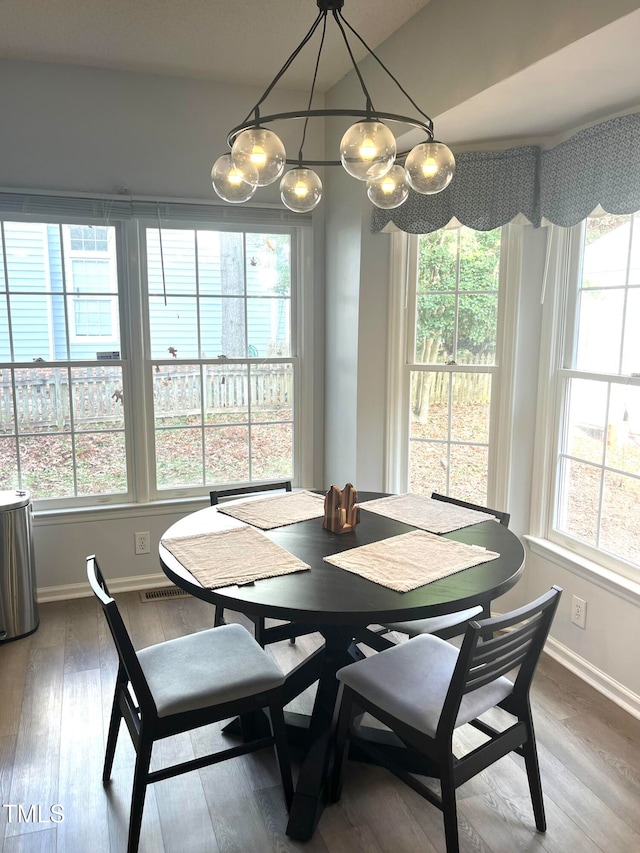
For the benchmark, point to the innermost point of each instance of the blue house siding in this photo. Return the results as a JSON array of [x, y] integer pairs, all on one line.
[[29, 299], [36, 298]]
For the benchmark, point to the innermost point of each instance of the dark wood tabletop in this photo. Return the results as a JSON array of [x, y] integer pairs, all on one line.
[[331, 595]]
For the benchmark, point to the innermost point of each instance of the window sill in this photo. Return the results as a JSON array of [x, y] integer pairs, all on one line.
[[111, 512], [606, 579]]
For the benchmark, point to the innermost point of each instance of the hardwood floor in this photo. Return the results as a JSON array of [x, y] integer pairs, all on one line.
[[55, 694]]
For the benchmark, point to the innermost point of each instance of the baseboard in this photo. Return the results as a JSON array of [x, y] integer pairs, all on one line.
[[600, 681], [83, 590]]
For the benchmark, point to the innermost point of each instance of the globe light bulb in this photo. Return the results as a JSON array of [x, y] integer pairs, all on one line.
[[389, 191], [301, 190], [367, 150], [260, 155], [230, 182], [430, 167]]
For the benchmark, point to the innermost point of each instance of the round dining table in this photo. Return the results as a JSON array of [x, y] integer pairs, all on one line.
[[340, 605]]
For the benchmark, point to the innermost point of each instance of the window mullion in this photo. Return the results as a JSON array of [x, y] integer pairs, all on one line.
[[137, 367]]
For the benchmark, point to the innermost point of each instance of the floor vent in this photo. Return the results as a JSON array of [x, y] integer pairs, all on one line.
[[165, 592]]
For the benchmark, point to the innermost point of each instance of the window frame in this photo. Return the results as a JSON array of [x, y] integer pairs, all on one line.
[[401, 331], [134, 350], [558, 346]]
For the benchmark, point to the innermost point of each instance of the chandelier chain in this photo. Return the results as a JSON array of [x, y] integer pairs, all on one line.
[[313, 87], [384, 68], [338, 19], [255, 110]]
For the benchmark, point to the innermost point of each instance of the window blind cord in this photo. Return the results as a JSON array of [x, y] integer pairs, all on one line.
[[545, 274], [164, 283]]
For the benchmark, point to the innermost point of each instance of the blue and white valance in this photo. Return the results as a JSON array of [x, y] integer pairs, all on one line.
[[563, 185]]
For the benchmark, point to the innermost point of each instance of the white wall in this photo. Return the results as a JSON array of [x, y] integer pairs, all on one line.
[[91, 130]]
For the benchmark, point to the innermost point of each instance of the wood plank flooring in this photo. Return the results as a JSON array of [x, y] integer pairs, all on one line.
[[55, 695]]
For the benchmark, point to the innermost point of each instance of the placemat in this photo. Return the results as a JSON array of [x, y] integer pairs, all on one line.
[[239, 555], [410, 560], [426, 513], [277, 511]]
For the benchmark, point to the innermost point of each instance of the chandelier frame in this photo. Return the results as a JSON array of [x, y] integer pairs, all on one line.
[[367, 115]]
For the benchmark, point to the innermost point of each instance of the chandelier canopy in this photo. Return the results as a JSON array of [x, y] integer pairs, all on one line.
[[368, 149]]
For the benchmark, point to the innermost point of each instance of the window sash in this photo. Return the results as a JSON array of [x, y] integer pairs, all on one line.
[[402, 363], [561, 317]]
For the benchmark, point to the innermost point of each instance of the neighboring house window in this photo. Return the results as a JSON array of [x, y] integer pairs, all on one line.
[[205, 386], [596, 485], [91, 274], [450, 366]]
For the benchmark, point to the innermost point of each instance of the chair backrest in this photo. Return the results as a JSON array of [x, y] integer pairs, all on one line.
[[503, 517], [493, 647], [126, 653], [248, 490]]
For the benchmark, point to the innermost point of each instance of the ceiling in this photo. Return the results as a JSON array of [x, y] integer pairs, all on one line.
[[232, 41], [593, 78], [246, 42]]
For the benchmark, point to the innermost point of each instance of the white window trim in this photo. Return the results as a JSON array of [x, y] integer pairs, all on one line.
[[404, 250], [556, 345]]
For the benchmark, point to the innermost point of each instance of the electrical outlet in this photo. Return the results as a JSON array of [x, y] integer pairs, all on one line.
[[142, 543], [578, 611]]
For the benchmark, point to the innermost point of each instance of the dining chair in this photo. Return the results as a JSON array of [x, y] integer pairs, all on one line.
[[261, 633], [426, 688], [449, 624], [182, 684]]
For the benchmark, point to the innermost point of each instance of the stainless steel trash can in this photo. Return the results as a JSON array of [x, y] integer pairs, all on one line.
[[18, 605]]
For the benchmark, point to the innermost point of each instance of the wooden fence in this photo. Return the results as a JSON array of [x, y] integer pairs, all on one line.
[[43, 400], [432, 387]]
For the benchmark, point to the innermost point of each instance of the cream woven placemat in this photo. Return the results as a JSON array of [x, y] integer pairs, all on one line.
[[277, 511], [239, 555], [426, 513], [410, 560]]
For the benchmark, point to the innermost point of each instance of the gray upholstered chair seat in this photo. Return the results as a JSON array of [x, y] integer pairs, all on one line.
[[410, 681], [207, 668], [435, 623]]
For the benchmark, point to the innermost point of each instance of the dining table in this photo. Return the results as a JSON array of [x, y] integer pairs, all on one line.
[[342, 606]]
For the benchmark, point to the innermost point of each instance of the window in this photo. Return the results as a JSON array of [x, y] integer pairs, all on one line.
[[158, 370], [221, 315], [91, 274], [597, 466], [450, 366], [62, 430]]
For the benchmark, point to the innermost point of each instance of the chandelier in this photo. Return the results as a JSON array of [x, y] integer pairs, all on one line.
[[368, 149]]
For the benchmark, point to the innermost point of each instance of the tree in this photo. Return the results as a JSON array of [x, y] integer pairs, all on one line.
[[232, 285], [463, 264]]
